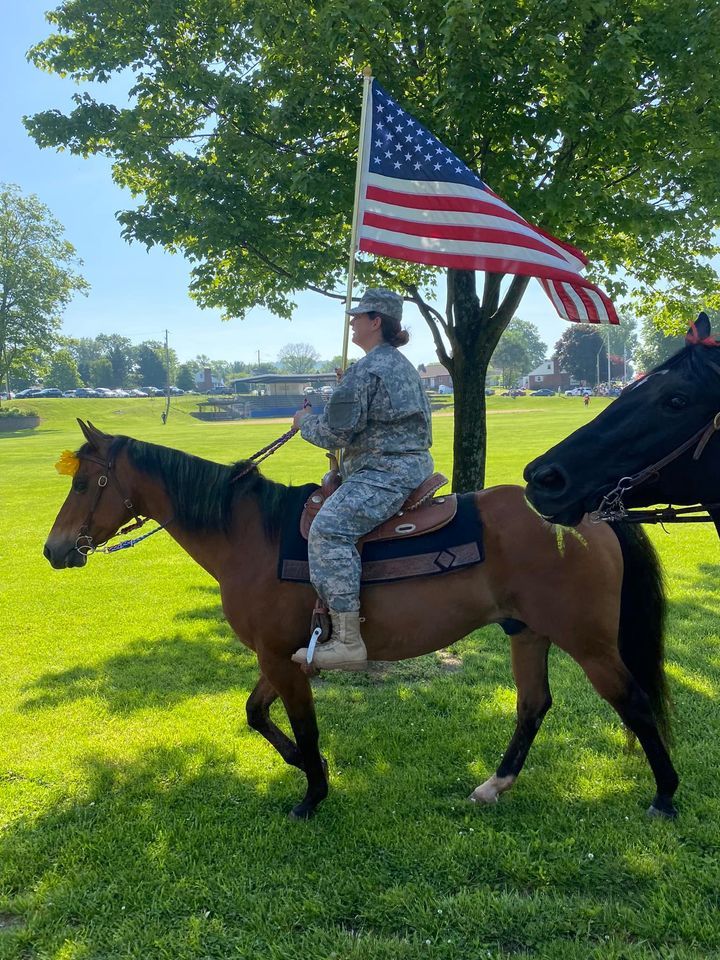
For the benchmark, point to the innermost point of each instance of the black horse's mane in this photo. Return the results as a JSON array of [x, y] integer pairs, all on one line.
[[202, 492], [693, 356]]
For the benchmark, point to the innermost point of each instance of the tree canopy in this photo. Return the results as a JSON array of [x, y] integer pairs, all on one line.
[[298, 358], [519, 351], [596, 121], [582, 353], [37, 278]]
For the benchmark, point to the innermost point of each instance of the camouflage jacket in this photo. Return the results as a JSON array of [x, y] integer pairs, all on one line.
[[377, 414]]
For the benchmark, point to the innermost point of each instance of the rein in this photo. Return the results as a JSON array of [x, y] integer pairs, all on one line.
[[612, 506], [84, 543], [263, 454], [269, 450]]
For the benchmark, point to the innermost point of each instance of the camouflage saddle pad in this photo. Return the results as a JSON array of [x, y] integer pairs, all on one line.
[[455, 546]]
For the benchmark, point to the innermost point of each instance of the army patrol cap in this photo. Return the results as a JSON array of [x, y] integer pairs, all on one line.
[[380, 300]]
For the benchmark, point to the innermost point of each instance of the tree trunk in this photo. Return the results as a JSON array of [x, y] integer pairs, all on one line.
[[474, 329]]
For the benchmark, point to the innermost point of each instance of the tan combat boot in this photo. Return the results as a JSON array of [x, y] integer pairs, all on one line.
[[345, 651]]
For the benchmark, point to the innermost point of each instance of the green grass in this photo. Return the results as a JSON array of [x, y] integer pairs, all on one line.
[[139, 817]]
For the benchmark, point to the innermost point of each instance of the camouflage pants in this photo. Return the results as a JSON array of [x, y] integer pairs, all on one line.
[[363, 501]]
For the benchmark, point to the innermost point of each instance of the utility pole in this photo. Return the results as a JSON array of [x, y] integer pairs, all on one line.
[[164, 415], [608, 354]]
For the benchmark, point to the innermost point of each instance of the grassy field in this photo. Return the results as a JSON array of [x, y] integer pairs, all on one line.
[[139, 817]]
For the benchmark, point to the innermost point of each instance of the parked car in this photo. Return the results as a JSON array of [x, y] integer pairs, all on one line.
[[575, 392], [327, 390], [49, 392], [137, 393], [489, 392], [4, 395], [29, 392], [544, 392], [86, 392]]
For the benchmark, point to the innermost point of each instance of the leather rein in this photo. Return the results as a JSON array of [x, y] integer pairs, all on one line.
[[85, 544], [612, 506]]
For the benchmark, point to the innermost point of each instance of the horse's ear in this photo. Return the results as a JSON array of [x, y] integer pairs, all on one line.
[[700, 330], [96, 438]]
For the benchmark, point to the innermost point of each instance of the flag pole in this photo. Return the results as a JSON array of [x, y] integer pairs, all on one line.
[[367, 77]]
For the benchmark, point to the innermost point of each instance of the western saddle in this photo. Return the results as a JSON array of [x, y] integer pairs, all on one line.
[[422, 512]]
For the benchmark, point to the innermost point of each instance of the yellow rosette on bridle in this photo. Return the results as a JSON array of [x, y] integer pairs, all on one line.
[[68, 464]]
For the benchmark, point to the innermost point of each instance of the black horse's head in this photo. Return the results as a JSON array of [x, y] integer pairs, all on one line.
[[650, 419]]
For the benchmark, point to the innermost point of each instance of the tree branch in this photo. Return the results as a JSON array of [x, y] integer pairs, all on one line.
[[491, 293], [428, 313], [514, 295]]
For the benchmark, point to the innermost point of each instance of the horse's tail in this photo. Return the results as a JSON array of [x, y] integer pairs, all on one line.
[[642, 620]]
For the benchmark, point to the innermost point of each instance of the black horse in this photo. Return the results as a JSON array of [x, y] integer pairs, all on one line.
[[653, 445]]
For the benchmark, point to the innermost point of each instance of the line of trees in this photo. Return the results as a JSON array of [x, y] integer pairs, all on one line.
[[111, 360]]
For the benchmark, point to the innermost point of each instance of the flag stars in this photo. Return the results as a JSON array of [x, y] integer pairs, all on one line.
[[397, 165]]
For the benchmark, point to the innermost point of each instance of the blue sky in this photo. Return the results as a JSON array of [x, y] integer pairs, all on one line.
[[139, 293]]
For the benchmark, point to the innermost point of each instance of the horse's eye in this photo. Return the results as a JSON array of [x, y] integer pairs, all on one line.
[[80, 485], [676, 402]]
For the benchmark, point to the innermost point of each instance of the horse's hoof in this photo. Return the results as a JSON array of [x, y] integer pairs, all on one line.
[[481, 796], [302, 811], [489, 792], [665, 811]]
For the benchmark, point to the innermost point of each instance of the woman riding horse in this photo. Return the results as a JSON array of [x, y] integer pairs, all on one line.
[[380, 418]]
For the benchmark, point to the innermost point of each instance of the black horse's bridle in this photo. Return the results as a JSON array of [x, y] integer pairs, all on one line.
[[612, 506], [84, 543]]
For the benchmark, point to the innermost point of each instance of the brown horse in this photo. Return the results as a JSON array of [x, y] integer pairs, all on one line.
[[600, 600]]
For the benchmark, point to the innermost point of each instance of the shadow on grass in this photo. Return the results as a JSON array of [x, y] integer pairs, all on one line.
[[155, 672], [184, 853]]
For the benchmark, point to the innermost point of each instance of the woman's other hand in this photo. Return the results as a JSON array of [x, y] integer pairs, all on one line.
[[300, 416]]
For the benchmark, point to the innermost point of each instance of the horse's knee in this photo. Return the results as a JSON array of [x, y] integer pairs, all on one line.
[[256, 713], [531, 710]]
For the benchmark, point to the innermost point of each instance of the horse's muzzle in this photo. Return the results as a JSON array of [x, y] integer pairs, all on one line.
[[62, 554]]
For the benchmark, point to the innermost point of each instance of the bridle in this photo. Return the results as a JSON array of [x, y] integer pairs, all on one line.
[[612, 506], [84, 543]]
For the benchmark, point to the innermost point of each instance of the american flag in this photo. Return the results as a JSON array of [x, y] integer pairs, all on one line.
[[420, 202]]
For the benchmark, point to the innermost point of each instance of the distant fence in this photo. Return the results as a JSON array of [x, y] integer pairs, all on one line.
[[246, 407]]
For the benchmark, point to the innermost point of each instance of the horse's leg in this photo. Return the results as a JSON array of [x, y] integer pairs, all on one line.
[[529, 664], [614, 682], [258, 717], [293, 687]]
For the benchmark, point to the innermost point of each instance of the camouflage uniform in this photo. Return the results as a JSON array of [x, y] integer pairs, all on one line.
[[379, 417]]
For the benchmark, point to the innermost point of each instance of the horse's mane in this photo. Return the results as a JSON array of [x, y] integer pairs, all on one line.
[[692, 355], [202, 492]]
